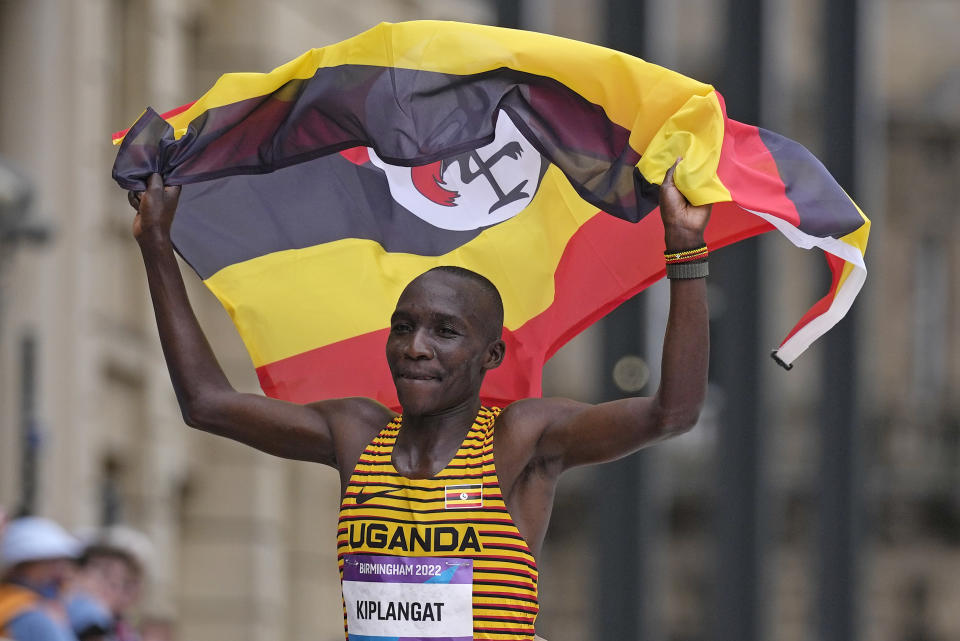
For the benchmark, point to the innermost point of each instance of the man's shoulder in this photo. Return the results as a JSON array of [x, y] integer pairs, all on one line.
[[528, 418], [36, 624], [354, 410], [352, 423], [522, 430], [534, 411]]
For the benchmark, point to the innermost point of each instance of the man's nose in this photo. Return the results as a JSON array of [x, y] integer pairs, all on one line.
[[419, 346]]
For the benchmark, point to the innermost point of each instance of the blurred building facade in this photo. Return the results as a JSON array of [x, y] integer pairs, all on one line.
[[245, 542]]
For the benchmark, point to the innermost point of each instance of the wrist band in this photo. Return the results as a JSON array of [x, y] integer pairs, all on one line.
[[686, 270], [689, 263]]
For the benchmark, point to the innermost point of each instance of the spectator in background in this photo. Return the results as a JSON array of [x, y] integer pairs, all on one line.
[[3, 525], [108, 584], [36, 560]]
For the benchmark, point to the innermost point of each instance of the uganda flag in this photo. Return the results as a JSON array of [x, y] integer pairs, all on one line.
[[463, 497], [314, 193]]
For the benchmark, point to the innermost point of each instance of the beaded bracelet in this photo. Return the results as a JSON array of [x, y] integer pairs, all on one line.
[[691, 263], [687, 256]]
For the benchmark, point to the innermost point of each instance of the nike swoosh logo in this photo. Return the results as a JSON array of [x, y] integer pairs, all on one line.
[[362, 498]]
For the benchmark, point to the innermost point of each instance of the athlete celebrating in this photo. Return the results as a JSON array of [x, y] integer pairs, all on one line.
[[444, 508]]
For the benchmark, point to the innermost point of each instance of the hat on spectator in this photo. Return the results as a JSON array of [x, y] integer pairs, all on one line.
[[34, 538]]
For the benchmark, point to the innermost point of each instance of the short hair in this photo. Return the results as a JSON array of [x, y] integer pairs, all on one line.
[[93, 553], [117, 542], [481, 280]]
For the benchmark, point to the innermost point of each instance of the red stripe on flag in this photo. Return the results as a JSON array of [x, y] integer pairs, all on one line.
[[166, 116], [836, 270], [356, 155], [358, 367], [607, 261], [749, 171]]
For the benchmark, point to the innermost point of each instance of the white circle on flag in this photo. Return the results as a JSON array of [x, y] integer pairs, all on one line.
[[463, 496], [476, 189]]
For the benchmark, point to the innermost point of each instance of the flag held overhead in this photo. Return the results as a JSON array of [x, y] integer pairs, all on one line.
[[314, 193]]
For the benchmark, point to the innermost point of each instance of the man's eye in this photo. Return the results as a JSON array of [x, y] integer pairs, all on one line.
[[446, 330], [400, 328]]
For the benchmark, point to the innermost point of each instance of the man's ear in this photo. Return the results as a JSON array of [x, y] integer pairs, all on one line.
[[496, 352]]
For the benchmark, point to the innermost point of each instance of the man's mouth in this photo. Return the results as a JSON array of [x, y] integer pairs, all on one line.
[[413, 376]]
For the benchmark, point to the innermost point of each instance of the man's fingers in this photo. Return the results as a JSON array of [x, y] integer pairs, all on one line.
[[670, 196], [133, 197], [154, 182], [668, 177]]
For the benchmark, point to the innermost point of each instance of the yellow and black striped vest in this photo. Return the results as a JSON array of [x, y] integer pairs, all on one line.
[[458, 514]]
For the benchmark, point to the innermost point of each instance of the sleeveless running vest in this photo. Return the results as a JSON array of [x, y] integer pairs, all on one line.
[[436, 558]]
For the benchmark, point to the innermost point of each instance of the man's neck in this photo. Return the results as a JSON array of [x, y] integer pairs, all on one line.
[[428, 442]]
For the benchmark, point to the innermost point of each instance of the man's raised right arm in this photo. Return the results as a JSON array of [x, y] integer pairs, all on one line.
[[207, 399]]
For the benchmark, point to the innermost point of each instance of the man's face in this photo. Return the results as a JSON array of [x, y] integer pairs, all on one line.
[[48, 576], [442, 341], [118, 581]]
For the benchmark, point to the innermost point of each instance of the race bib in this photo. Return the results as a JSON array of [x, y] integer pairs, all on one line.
[[408, 598]]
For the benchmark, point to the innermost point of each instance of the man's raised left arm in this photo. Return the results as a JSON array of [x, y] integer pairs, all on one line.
[[576, 433]]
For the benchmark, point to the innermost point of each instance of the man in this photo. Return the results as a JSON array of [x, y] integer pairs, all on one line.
[[36, 561], [427, 521], [108, 584]]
